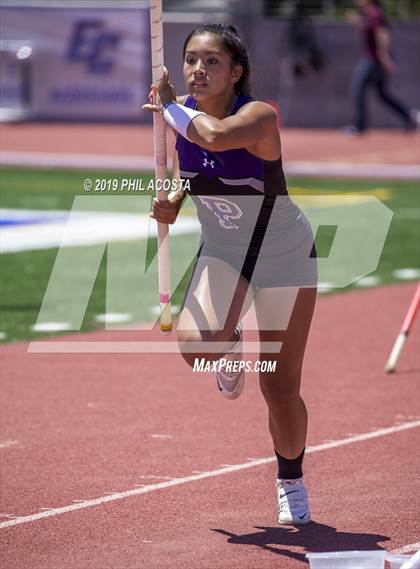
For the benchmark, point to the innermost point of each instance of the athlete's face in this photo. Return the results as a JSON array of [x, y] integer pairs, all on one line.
[[208, 69]]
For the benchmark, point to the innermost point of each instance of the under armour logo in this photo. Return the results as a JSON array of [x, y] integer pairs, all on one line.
[[208, 162]]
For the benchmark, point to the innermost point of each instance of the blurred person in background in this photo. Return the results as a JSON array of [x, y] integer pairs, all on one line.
[[376, 67], [306, 54]]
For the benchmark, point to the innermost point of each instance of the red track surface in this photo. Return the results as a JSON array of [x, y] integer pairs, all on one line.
[[84, 425], [377, 146]]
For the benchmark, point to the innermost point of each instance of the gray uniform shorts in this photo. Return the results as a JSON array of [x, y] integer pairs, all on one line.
[[286, 257]]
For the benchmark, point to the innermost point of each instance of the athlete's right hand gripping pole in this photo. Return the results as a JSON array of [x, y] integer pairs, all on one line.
[[159, 136], [402, 336]]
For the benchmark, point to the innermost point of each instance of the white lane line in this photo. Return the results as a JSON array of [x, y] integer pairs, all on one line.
[[156, 310], [353, 170], [412, 547], [371, 280], [406, 273], [156, 477], [51, 327], [113, 318], [133, 162], [208, 474], [325, 287], [55, 160], [161, 436], [84, 228], [8, 443]]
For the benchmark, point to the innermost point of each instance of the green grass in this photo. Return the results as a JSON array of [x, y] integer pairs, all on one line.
[[24, 276], [54, 189]]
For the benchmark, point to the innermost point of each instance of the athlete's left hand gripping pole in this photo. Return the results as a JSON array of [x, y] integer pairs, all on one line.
[[159, 135]]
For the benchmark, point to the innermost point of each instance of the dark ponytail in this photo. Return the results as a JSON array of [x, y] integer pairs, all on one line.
[[232, 44]]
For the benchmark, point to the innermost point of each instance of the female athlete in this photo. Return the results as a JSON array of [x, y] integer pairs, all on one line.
[[256, 245]]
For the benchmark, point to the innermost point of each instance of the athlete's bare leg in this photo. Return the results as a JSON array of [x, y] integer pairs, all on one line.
[[218, 296], [288, 417]]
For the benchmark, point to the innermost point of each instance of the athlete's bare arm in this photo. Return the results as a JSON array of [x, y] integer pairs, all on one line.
[[254, 125]]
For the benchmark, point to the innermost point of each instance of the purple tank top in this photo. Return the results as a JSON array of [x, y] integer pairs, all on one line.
[[234, 191]]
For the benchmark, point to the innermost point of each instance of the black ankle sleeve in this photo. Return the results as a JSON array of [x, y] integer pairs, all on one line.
[[289, 468]]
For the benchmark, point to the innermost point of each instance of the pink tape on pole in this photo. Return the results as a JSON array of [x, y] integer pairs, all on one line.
[[412, 311], [164, 298]]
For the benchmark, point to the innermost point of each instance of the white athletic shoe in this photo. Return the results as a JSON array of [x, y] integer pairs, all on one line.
[[231, 383], [293, 501]]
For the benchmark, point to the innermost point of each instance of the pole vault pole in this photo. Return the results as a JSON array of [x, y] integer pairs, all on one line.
[[159, 137], [402, 336]]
